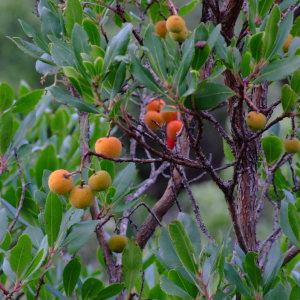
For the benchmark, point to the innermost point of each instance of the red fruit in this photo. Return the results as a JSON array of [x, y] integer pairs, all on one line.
[[155, 105], [173, 128], [170, 143]]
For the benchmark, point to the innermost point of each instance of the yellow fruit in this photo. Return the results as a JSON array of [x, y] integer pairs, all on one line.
[[175, 24], [60, 182], [256, 121], [100, 181], [292, 145], [81, 196], [117, 243], [156, 105], [110, 147], [161, 29], [153, 120], [287, 43], [179, 36]]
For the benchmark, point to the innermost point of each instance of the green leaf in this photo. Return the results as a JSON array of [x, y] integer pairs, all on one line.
[[273, 264], [287, 222], [208, 95], [234, 278], [132, 264], [51, 24], [6, 96], [6, 131], [53, 217], [62, 54], [245, 65], [187, 8], [279, 69], [295, 31], [117, 46], [252, 270], [73, 14], [119, 80], [183, 283], [183, 246], [110, 291], [38, 259], [283, 31], [184, 66], [277, 293], [271, 30], [71, 275], [170, 288], [92, 31], [29, 48], [91, 288], [155, 53], [144, 76], [83, 229], [3, 223], [264, 6], [27, 102], [20, 255], [295, 81], [295, 293], [227, 151], [80, 45], [256, 45], [62, 96], [47, 160], [273, 148], [288, 98]]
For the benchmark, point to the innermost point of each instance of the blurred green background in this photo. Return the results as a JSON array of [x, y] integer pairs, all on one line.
[[15, 65]]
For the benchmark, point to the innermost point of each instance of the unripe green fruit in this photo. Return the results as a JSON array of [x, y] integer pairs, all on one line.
[[117, 243], [179, 36], [100, 181], [256, 121], [292, 145]]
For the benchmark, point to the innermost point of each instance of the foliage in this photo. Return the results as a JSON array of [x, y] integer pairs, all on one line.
[[100, 86]]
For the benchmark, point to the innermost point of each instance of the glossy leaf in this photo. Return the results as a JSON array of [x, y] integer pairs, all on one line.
[[20, 255], [6, 96], [288, 98], [62, 96], [73, 14], [71, 275], [53, 217], [6, 131], [279, 69], [117, 46], [183, 246], [273, 148], [91, 288], [252, 270], [131, 264], [208, 95], [110, 291], [27, 102]]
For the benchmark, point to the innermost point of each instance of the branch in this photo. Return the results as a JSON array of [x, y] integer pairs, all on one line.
[[172, 7], [291, 253], [195, 205]]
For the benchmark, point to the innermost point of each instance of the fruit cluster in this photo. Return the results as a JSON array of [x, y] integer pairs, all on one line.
[[158, 114], [175, 26], [82, 196]]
